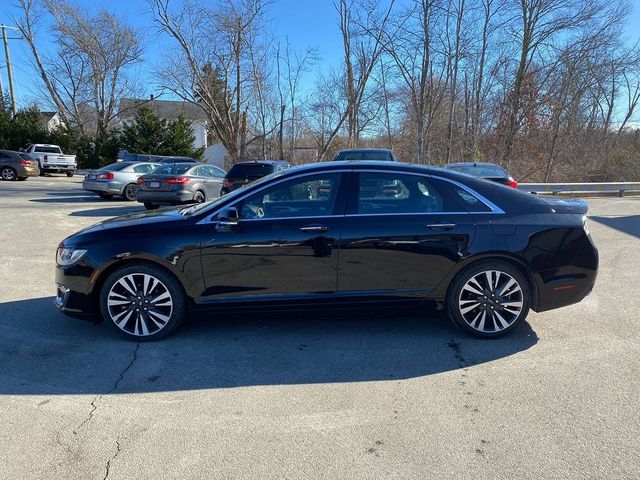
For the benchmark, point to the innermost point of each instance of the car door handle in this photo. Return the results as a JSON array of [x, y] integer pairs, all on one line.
[[441, 226], [314, 228]]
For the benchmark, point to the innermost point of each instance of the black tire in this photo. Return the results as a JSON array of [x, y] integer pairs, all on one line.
[[129, 192], [199, 197], [150, 206], [488, 309], [105, 196], [69, 174], [42, 172], [8, 173], [138, 320]]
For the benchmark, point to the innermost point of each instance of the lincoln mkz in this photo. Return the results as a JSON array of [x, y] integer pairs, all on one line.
[[335, 233]]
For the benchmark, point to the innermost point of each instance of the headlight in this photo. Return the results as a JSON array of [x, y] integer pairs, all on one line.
[[68, 256]]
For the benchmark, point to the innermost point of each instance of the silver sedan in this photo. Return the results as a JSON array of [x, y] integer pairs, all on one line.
[[117, 179]]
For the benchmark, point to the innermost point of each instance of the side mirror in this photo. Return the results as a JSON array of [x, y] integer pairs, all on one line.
[[227, 219]]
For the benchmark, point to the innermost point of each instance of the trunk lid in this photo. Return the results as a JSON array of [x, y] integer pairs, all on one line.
[[567, 205]]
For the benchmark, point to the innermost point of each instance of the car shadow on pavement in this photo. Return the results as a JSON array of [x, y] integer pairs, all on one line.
[[43, 352], [627, 224], [109, 211]]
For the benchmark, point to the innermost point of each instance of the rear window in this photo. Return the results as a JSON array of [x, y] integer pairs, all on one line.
[[252, 170], [48, 150], [363, 155], [479, 170], [115, 167], [172, 169]]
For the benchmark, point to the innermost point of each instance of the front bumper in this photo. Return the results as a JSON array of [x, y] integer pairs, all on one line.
[[114, 188], [164, 198], [74, 292]]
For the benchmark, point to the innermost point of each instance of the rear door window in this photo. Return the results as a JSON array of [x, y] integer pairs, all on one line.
[[390, 193], [250, 170]]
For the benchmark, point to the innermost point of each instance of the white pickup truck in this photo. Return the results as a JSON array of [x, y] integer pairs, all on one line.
[[51, 159]]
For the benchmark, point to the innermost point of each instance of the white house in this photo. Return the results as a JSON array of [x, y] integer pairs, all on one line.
[[169, 110], [50, 121], [216, 154]]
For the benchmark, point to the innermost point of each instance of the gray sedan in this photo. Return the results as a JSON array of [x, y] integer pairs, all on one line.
[[177, 183], [16, 166], [117, 179]]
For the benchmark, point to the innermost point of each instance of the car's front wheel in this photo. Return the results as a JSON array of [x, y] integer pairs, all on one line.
[[142, 302], [488, 299]]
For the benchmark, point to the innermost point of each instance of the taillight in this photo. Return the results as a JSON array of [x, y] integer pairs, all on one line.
[[227, 183], [46, 158], [140, 181], [177, 180], [512, 184], [105, 176], [24, 162]]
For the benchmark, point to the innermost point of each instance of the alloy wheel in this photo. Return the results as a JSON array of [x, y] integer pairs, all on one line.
[[139, 304], [130, 192], [8, 173], [491, 301]]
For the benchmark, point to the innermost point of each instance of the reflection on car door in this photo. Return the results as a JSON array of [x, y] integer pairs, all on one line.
[[401, 236], [285, 243]]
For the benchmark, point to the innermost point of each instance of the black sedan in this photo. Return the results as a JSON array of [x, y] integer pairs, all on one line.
[[362, 232]]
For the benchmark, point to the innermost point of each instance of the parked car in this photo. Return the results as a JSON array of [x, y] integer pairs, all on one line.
[[488, 254], [16, 166], [246, 172], [382, 154], [117, 179], [486, 170], [178, 183], [178, 160], [51, 159]]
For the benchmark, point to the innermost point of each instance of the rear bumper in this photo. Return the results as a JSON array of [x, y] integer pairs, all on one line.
[[103, 187], [56, 168], [25, 171], [164, 198], [571, 284]]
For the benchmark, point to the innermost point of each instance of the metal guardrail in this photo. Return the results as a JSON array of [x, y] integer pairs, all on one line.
[[555, 188]]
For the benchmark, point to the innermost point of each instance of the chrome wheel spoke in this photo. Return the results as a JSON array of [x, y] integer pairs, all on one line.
[[140, 304], [490, 301]]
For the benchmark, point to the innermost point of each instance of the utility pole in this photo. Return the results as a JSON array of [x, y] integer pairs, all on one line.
[[9, 70]]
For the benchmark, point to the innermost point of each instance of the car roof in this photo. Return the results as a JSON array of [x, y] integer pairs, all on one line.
[[473, 164], [365, 149], [263, 162]]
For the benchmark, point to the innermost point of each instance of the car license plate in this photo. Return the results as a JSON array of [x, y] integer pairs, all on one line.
[[154, 184]]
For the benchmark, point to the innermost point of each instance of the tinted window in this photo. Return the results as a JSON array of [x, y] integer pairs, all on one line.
[[364, 155], [172, 169], [115, 167], [250, 170], [479, 170], [309, 197], [471, 202], [48, 150], [4, 155], [389, 193]]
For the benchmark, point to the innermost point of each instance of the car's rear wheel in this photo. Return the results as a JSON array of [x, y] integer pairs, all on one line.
[[150, 206], [8, 173], [129, 192], [142, 302], [199, 197], [105, 196], [488, 299]]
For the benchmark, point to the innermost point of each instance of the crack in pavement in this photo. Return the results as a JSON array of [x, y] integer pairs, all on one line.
[[97, 398], [108, 465]]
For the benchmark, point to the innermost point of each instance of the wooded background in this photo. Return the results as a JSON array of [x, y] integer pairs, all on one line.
[[547, 88]]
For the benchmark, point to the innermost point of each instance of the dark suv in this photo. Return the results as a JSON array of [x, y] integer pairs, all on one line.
[[382, 154], [246, 172]]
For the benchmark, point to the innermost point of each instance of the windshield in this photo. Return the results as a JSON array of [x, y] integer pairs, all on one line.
[[229, 197], [479, 170], [115, 167], [172, 169], [250, 170], [364, 155]]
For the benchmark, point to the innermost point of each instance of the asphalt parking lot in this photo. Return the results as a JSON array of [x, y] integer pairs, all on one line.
[[314, 396]]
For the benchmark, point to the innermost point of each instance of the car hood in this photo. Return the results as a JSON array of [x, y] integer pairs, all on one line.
[[139, 219]]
